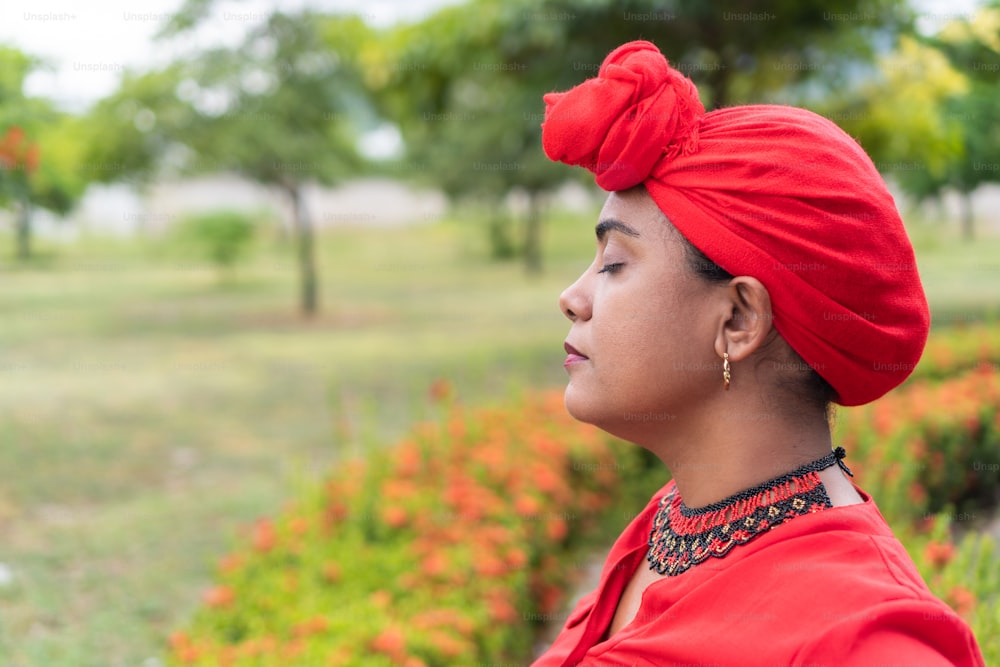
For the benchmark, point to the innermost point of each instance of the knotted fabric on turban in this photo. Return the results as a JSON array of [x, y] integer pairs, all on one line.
[[774, 192]]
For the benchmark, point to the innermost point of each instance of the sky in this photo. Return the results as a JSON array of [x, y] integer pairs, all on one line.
[[86, 45]]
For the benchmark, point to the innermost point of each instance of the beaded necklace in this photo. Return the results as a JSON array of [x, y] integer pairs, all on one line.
[[683, 537]]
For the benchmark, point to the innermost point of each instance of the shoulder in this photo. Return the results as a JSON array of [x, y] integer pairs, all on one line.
[[895, 632], [872, 604]]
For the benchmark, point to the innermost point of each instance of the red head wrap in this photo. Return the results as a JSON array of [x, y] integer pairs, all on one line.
[[774, 192]]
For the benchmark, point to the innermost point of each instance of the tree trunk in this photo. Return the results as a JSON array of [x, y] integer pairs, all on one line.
[[533, 234], [968, 218], [24, 231], [308, 285]]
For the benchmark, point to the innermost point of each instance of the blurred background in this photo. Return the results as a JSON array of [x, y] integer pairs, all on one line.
[[240, 241]]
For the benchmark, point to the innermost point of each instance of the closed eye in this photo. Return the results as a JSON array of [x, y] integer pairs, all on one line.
[[614, 267]]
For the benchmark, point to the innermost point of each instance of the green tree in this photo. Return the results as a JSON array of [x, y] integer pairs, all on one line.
[[465, 85], [40, 151], [284, 116], [928, 114], [130, 133], [973, 46], [280, 110], [900, 115]]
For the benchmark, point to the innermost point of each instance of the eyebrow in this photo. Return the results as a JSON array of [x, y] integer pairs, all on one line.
[[609, 225]]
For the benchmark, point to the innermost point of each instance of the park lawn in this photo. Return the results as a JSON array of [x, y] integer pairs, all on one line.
[[151, 410]]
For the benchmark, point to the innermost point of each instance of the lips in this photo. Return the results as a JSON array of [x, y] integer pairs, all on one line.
[[573, 355]]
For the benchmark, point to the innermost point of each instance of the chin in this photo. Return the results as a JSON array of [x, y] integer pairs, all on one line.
[[640, 428], [582, 407], [586, 409]]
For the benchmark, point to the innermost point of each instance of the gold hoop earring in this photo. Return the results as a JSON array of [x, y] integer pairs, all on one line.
[[725, 371]]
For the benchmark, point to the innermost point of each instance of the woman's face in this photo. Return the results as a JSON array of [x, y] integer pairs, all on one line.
[[641, 346]]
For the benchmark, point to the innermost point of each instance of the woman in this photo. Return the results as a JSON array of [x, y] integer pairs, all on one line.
[[751, 269]]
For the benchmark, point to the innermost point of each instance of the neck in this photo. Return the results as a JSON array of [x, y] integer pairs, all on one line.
[[712, 459]]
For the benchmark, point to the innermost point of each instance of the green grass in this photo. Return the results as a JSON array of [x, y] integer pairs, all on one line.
[[149, 410]]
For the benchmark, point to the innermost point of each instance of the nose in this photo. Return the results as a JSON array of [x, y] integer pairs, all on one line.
[[575, 301]]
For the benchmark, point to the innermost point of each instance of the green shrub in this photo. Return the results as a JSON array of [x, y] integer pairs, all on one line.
[[928, 445], [222, 238], [448, 549]]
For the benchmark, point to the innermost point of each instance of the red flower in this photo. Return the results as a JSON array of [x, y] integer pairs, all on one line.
[[395, 516], [556, 529], [12, 141], [527, 505], [501, 610], [939, 554], [230, 563], [264, 535], [381, 599], [219, 596], [390, 642], [311, 626], [489, 565], [516, 558], [299, 525], [331, 572], [549, 598], [962, 600], [440, 390], [447, 644]]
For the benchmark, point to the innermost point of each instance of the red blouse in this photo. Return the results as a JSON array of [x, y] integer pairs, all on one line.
[[832, 589]]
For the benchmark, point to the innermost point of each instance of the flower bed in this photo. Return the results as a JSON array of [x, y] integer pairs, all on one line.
[[928, 445], [446, 549], [957, 350], [442, 551]]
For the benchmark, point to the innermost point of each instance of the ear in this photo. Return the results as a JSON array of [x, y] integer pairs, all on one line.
[[749, 324]]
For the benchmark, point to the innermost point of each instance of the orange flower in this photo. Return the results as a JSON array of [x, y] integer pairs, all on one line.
[[556, 529], [293, 648], [179, 640], [395, 516], [331, 572], [334, 513], [299, 525], [264, 535], [447, 644], [440, 390], [516, 558], [962, 600], [381, 599], [489, 565], [549, 597], [408, 459], [219, 596], [13, 139], [230, 563], [939, 554], [189, 654], [501, 610], [917, 493], [340, 657], [527, 505], [547, 480], [390, 642], [434, 565]]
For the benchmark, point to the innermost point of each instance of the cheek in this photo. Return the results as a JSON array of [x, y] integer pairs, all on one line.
[[644, 332], [661, 335]]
